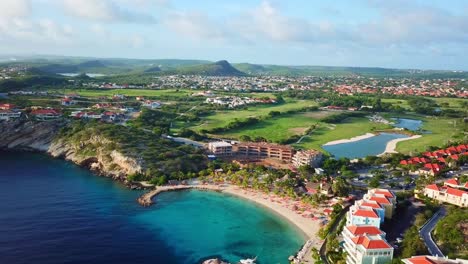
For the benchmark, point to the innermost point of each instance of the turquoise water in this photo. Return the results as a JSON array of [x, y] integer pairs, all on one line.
[[55, 212], [410, 124], [362, 148]]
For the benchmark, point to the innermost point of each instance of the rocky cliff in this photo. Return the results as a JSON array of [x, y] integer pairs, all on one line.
[[95, 152]]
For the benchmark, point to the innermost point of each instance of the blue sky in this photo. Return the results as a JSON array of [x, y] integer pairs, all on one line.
[[429, 34]]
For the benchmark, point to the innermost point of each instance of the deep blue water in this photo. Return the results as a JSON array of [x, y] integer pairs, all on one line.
[[52, 211], [362, 148], [410, 124]]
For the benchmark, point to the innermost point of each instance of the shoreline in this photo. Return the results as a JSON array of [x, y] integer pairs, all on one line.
[[308, 227], [353, 139], [392, 144]]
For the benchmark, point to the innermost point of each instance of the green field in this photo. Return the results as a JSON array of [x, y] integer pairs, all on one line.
[[128, 92], [442, 130], [351, 127], [222, 118], [276, 129]]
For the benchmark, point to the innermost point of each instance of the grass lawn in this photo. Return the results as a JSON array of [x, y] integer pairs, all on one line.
[[276, 129], [442, 129], [128, 92], [222, 118], [351, 127], [401, 102]]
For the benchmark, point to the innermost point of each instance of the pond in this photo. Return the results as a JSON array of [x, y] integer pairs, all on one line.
[[410, 124], [370, 146]]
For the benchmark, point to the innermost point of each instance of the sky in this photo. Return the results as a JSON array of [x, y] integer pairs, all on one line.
[[416, 34]]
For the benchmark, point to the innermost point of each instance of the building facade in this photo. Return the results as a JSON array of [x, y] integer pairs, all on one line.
[[220, 148], [264, 150], [446, 194], [311, 157]]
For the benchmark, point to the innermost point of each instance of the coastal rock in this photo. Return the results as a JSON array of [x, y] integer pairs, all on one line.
[[43, 137], [28, 135]]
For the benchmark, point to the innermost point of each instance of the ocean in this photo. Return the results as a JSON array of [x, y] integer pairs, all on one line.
[[52, 211]]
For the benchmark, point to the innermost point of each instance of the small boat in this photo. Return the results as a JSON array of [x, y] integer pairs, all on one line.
[[248, 261]]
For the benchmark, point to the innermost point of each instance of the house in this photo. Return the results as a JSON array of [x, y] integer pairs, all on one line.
[[8, 114], [431, 169], [433, 260], [102, 105], [310, 157], [220, 148], [319, 187], [446, 194], [7, 106], [46, 114], [151, 104], [67, 101]]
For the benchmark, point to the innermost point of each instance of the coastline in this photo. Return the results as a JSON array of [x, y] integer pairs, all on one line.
[[353, 139], [391, 145], [309, 227]]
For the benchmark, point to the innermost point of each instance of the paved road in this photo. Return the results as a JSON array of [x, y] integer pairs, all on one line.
[[426, 230], [322, 251]]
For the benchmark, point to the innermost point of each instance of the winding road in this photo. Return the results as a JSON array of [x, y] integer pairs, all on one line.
[[425, 233]]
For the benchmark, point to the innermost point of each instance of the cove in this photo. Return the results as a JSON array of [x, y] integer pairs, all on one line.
[[55, 212], [362, 148]]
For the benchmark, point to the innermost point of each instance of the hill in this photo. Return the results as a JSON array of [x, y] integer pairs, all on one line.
[[219, 68]]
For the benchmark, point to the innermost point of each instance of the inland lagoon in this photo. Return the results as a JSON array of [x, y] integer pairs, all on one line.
[[55, 212], [367, 146]]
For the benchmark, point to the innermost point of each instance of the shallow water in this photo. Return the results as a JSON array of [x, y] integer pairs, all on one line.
[[362, 148], [55, 212]]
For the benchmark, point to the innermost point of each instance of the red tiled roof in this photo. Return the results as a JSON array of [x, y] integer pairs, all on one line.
[[455, 192], [403, 162], [452, 182], [45, 112], [381, 200], [361, 230], [371, 243], [372, 205], [421, 260], [385, 192], [366, 213], [433, 187]]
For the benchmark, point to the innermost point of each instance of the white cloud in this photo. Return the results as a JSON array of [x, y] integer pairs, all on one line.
[[105, 11], [14, 8], [196, 25]]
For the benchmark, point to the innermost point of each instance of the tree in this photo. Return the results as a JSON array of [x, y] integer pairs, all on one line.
[[374, 182], [340, 187]]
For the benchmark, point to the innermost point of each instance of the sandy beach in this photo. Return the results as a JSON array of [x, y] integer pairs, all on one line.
[[305, 218], [391, 145], [340, 141]]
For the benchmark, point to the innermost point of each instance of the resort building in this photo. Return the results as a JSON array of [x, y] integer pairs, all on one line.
[[67, 101], [363, 241], [446, 194], [385, 198], [311, 157], [264, 150], [433, 260], [368, 249], [7, 114], [363, 216], [220, 148]]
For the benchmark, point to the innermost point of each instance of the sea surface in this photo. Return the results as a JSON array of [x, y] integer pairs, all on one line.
[[362, 148], [92, 75], [52, 211]]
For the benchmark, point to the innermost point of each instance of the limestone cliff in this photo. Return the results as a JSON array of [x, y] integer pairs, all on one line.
[[95, 152]]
